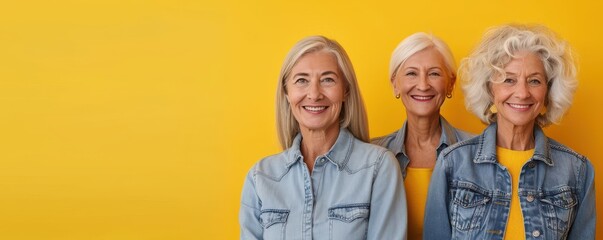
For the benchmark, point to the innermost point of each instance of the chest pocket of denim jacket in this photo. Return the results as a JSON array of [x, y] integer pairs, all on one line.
[[274, 221], [558, 210], [349, 221], [468, 208]]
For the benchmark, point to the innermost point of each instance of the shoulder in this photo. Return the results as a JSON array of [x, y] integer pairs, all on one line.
[[565, 157], [366, 154], [273, 166], [463, 135], [564, 151], [384, 141], [468, 145]]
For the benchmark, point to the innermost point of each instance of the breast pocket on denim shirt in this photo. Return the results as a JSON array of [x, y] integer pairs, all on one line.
[[468, 206], [349, 221], [274, 222], [558, 208]]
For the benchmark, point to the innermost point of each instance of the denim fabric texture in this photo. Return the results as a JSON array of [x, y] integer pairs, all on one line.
[[354, 192], [470, 192], [395, 142]]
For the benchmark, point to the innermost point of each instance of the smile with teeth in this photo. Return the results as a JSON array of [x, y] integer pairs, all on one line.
[[315, 108], [519, 106], [422, 98]]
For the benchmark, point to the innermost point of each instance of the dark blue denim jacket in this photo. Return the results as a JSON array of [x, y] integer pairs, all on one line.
[[470, 192], [395, 142]]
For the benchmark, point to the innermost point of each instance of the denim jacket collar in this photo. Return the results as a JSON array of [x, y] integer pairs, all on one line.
[[338, 154], [446, 139], [487, 146]]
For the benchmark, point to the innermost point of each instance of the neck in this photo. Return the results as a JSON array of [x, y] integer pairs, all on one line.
[[519, 138], [317, 142], [423, 130]]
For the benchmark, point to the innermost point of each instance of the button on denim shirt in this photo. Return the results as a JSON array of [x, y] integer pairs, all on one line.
[[470, 192], [395, 142], [355, 191]]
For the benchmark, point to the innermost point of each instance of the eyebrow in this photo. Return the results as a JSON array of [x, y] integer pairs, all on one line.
[[302, 74], [530, 75], [329, 72], [428, 69]]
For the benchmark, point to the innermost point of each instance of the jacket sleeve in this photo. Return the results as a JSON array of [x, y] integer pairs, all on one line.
[[584, 223], [436, 223], [249, 214], [388, 216]]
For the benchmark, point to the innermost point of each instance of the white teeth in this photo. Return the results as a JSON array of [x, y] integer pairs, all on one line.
[[522, 106], [315, 109], [422, 97]]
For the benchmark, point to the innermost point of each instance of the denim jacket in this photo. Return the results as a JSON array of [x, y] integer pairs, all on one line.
[[355, 191], [470, 192], [395, 142]]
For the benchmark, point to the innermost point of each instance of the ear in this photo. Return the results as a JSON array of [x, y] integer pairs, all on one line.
[[450, 87], [395, 86]]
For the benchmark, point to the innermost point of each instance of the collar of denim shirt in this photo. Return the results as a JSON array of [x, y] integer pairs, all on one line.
[[338, 154], [446, 139], [487, 146]]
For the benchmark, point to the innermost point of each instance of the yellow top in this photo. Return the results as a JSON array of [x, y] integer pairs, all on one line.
[[513, 161], [416, 184]]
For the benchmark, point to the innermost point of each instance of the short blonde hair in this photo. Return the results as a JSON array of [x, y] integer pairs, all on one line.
[[416, 43], [353, 113], [497, 48]]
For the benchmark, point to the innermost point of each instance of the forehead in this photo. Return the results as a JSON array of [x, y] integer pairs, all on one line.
[[316, 61], [525, 61], [429, 57]]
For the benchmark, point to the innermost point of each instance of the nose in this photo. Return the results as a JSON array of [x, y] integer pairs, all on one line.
[[522, 91], [314, 90], [423, 83]]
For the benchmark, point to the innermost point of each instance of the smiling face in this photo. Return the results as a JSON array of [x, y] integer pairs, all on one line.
[[316, 91], [422, 82], [520, 96]]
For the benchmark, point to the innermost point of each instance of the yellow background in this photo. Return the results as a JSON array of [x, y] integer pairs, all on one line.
[[140, 119]]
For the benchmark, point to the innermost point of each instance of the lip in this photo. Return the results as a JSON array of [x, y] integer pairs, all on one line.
[[315, 109], [519, 107], [422, 98]]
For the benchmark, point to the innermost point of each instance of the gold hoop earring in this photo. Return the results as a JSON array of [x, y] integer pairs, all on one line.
[[397, 96]]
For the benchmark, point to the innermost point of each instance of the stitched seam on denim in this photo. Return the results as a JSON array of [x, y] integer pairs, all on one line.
[[557, 146]]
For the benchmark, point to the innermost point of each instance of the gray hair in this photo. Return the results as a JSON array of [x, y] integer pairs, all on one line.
[[416, 43], [497, 48]]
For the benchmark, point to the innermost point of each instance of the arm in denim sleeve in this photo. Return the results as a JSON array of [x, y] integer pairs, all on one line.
[[388, 216], [584, 223], [249, 214], [436, 223]]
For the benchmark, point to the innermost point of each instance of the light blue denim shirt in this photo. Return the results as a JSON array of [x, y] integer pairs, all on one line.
[[355, 191], [470, 192], [395, 142]]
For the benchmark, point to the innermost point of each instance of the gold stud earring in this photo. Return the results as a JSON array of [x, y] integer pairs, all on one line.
[[449, 95], [397, 96], [493, 109]]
